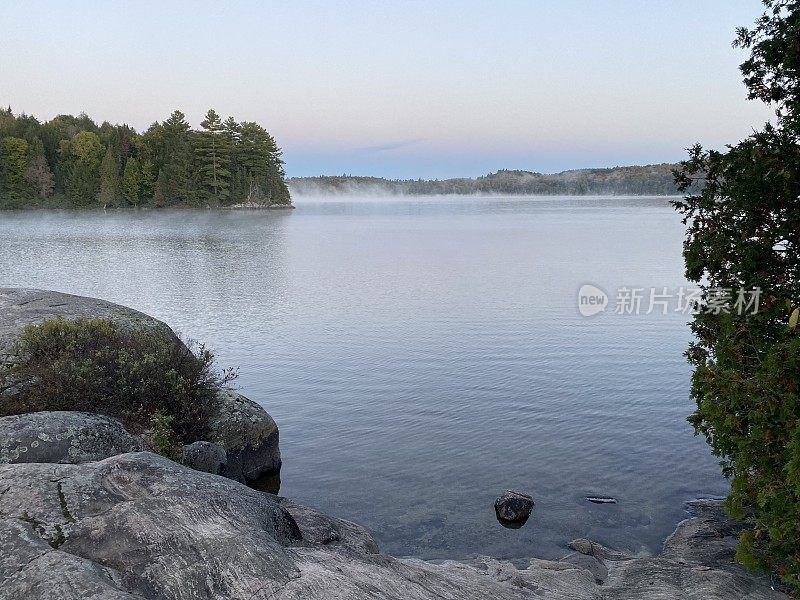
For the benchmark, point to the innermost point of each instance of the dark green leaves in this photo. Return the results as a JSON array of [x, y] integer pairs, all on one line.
[[72, 162], [742, 212], [101, 366]]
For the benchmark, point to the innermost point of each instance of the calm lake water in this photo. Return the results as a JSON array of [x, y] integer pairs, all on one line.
[[421, 356]]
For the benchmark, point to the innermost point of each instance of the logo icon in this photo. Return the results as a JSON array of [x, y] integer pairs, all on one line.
[[591, 300]]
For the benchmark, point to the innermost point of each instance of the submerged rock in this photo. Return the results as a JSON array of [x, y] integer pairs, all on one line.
[[319, 528], [513, 507], [594, 565], [601, 499], [590, 548]]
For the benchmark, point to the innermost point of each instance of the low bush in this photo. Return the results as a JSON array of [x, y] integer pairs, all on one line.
[[145, 377]]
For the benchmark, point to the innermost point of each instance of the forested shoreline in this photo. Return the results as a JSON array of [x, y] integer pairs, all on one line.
[[646, 180], [71, 162]]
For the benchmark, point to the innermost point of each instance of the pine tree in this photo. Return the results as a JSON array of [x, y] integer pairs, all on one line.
[[175, 158], [279, 192], [109, 179], [214, 155], [233, 131], [262, 166]]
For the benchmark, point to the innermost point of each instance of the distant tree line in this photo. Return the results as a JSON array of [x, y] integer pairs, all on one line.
[[72, 162], [649, 180]]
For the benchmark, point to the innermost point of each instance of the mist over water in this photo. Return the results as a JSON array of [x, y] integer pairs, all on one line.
[[421, 355]]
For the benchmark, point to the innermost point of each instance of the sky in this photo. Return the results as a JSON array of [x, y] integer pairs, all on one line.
[[403, 88]]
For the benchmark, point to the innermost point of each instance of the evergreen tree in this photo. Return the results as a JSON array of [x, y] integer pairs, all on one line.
[[13, 166], [279, 192], [161, 190], [109, 179], [262, 166], [83, 155], [40, 177], [223, 163], [131, 182], [176, 157], [743, 232], [213, 150], [148, 179], [233, 132]]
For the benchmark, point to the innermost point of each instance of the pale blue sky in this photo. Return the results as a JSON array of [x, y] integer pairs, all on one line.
[[404, 88]]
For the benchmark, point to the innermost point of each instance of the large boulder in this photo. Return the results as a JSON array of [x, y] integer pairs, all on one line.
[[249, 436], [246, 433], [20, 307], [63, 437], [140, 526]]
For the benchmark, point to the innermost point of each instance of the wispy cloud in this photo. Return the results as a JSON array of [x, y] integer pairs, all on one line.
[[388, 147]]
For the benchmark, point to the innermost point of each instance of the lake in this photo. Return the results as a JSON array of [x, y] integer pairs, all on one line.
[[423, 355]]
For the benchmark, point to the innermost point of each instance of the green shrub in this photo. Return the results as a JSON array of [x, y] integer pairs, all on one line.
[[163, 436], [143, 376]]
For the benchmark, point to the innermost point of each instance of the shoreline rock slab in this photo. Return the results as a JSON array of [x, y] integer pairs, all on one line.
[[166, 530], [141, 526]]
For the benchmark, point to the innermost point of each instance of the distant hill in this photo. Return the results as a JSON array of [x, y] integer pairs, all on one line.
[[647, 180]]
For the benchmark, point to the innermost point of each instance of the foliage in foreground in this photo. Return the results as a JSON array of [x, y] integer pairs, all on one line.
[[142, 376], [743, 231]]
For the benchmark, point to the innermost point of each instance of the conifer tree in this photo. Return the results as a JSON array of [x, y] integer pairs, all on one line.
[[40, 177], [109, 179], [743, 233], [83, 155], [170, 164], [13, 166], [148, 179], [176, 157], [131, 182], [214, 154], [160, 191]]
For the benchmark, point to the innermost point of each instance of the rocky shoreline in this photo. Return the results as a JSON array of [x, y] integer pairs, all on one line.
[[87, 511]]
